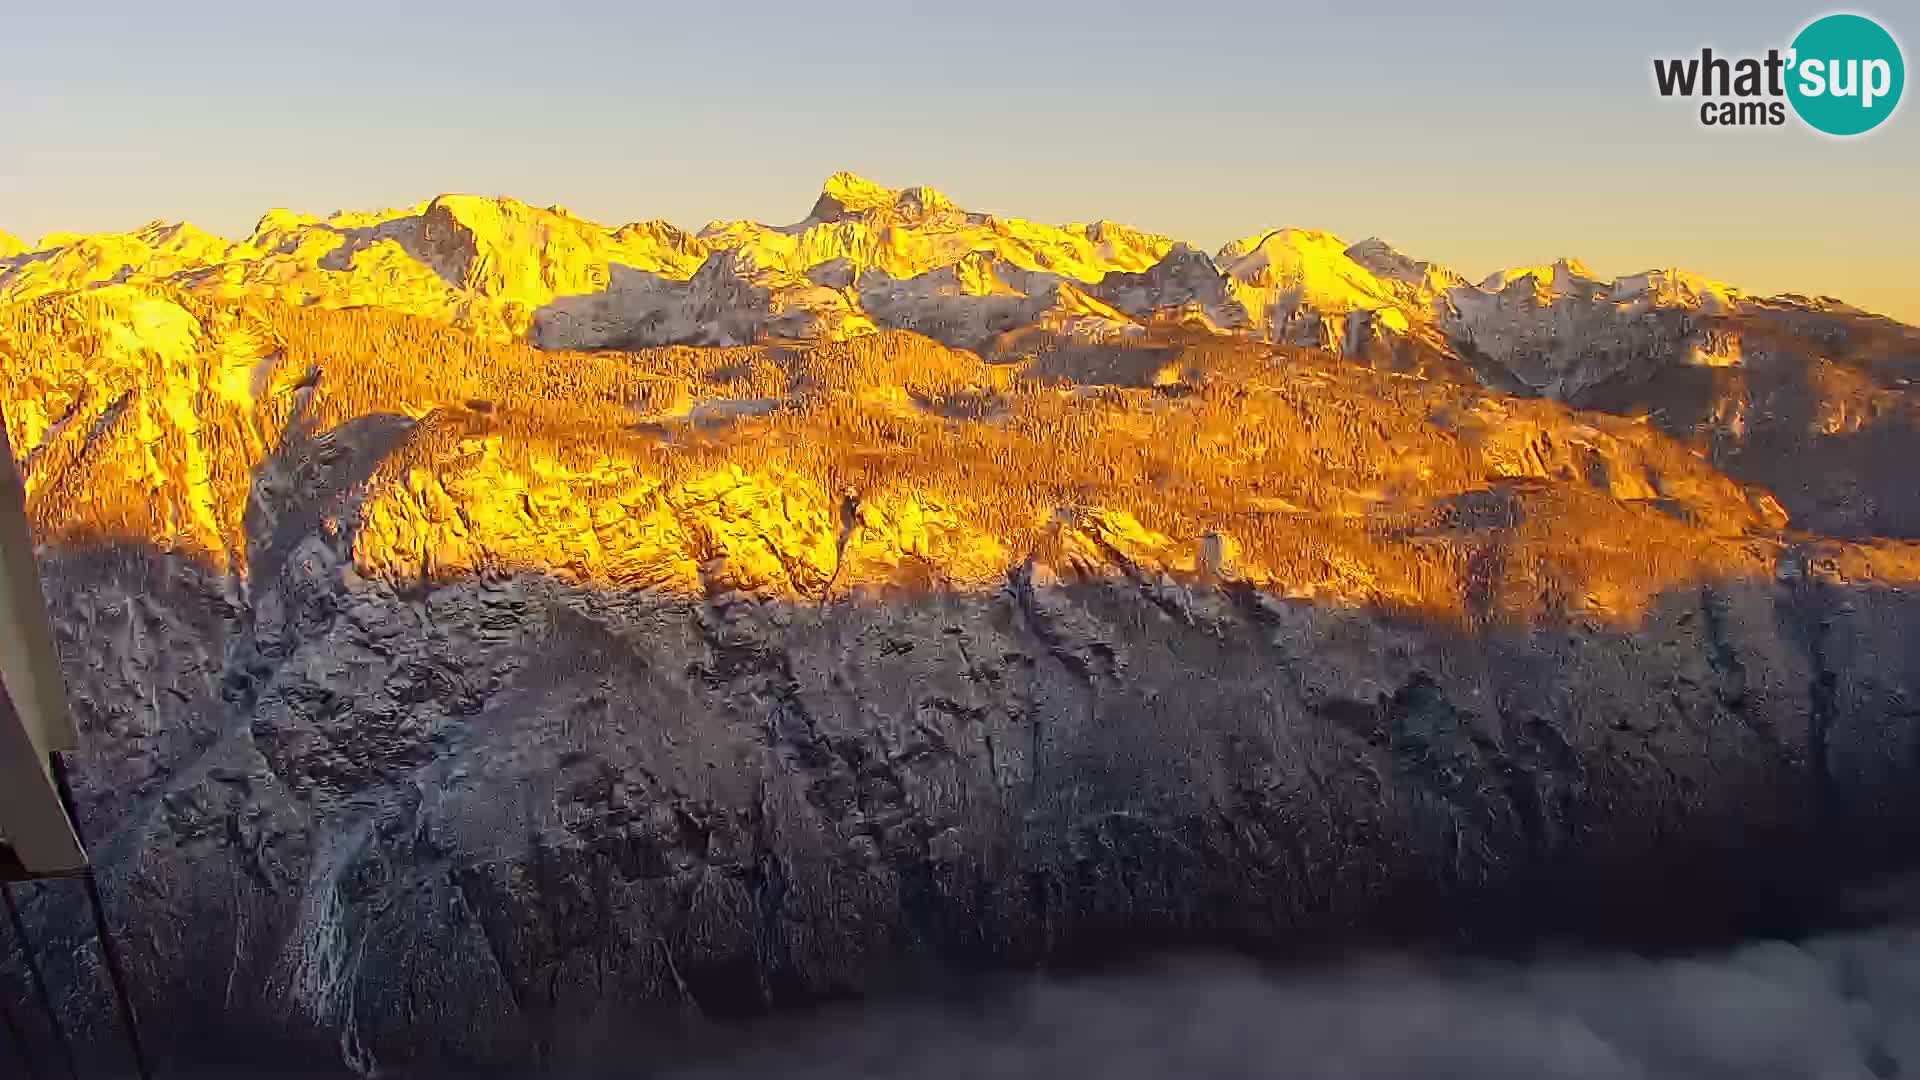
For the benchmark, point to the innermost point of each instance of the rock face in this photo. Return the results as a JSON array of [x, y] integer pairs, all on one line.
[[440, 693], [443, 820], [1819, 406]]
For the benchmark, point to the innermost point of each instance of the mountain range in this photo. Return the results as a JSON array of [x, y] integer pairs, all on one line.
[[481, 623], [868, 257]]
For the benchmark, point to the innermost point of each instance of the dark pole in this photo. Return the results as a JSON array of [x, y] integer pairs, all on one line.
[[39, 984], [108, 950]]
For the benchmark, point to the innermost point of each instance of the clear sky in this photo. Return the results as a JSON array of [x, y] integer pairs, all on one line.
[[1478, 135]]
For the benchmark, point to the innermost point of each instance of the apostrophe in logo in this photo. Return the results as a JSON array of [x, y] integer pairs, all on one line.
[[1842, 75], [1847, 74]]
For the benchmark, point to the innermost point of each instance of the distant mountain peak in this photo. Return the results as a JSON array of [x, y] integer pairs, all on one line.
[[1287, 236], [1562, 275], [847, 193], [1388, 262]]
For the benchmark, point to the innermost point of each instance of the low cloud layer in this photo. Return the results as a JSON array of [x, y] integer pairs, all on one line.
[[1835, 1008]]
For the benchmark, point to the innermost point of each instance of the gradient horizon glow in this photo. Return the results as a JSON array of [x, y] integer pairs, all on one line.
[[1498, 136]]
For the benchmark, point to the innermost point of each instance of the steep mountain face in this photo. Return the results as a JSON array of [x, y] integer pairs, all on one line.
[[908, 590], [1816, 404]]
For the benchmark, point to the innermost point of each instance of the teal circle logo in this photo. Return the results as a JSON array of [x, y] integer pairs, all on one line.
[[1846, 74]]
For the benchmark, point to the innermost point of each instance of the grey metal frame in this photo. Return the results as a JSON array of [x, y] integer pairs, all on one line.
[[39, 821]]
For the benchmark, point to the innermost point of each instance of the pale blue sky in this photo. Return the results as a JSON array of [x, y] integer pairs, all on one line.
[[1477, 135]]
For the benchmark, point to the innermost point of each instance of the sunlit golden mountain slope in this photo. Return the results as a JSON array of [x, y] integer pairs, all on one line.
[[169, 420], [1079, 302]]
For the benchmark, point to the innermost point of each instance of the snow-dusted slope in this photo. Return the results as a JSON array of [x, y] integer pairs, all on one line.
[[1559, 329], [868, 258], [1300, 286]]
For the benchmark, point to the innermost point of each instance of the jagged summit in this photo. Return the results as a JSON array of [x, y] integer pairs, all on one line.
[[1562, 275], [280, 219], [1302, 286], [1382, 259], [1386, 262], [1312, 261], [848, 194], [851, 191], [1676, 288]]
